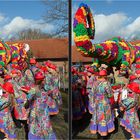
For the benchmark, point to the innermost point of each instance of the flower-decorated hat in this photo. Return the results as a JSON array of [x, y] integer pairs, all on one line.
[[116, 86], [91, 70], [137, 66], [132, 77], [39, 75], [73, 70], [8, 87], [134, 87], [7, 77], [32, 61], [103, 72], [14, 71], [137, 71], [25, 88], [50, 65], [44, 69]]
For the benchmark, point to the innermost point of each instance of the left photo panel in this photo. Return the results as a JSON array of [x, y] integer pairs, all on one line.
[[34, 70]]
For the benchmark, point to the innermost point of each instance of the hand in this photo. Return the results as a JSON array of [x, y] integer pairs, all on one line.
[[26, 105], [25, 89]]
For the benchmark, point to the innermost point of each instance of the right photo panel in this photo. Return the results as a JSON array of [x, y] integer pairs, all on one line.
[[105, 70]]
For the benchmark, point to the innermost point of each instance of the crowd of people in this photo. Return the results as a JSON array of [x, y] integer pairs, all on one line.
[[28, 96], [108, 101]]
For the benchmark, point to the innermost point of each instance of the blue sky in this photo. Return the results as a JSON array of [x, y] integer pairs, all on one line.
[[25, 9], [113, 18], [18, 15], [131, 8]]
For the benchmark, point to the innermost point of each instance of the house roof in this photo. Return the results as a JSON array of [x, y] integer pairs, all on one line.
[[77, 57], [135, 42], [56, 48], [48, 48]]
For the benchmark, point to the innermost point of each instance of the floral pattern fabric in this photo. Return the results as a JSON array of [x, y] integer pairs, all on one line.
[[54, 95], [7, 125], [20, 112], [39, 121], [130, 120], [99, 105]]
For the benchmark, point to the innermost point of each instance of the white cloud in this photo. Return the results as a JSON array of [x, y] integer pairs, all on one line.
[[2, 17], [132, 30], [18, 24], [107, 26]]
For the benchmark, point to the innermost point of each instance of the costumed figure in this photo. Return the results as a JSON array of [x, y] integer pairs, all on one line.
[[117, 89], [51, 87], [7, 125], [84, 78], [115, 52], [100, 106], [39, 120], [14, 54], [129, 105], [78, 107]]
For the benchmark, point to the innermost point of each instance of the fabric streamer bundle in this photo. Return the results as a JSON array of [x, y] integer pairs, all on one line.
[[115, 52], [15, 54]]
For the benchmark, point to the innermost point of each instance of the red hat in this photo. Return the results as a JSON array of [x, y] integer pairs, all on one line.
[[137, 66], [90, 70], [15, 66], [116, 87], [50, 65], [32, 61], [73, 70], [14, 71], [44, 69], [38, 65], [132, 77], [138, 92], [39, 75], [137, 71], [134, 87], [103, 72], [25, 88], [7, 77], [87, 66], [8, 87]]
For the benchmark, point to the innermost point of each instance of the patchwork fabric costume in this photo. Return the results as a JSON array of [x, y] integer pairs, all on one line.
[[51, 93], [100, 107], [7, 125], [130, 120], [39, 120]]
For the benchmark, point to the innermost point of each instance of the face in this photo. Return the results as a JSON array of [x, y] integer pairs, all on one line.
[[39, 82], [14, 75], [89, 74], [1, 72], [138, 75]]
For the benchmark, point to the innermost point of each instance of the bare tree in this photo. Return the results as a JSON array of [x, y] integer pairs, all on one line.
[[135, 38], [32, 34], [57, 14]]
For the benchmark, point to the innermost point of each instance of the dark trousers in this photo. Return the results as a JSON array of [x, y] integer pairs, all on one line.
[[2, 135]]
